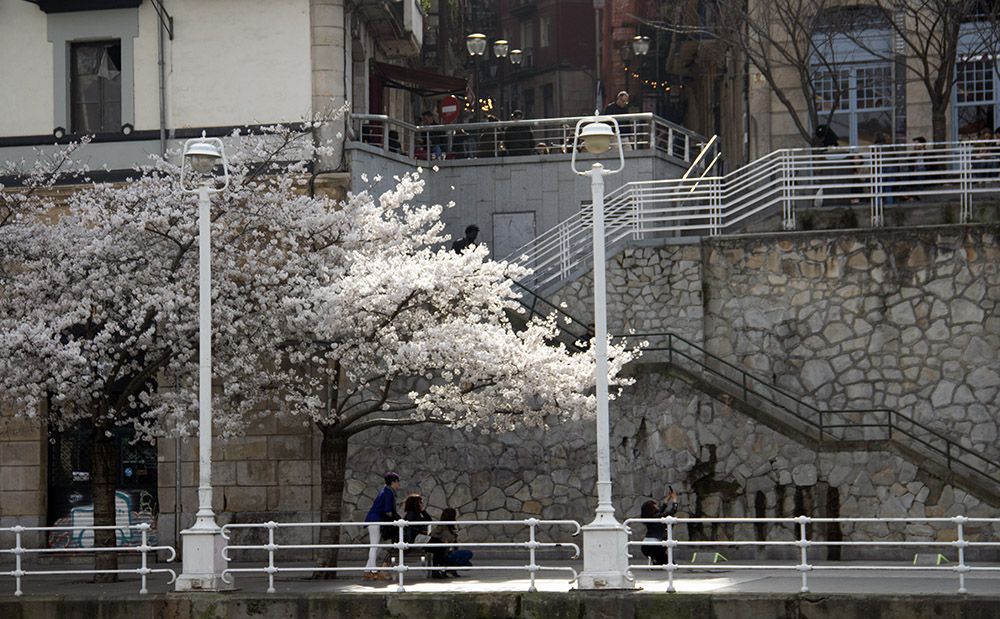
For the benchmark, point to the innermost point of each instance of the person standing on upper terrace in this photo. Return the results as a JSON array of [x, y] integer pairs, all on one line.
[[433, 143], [471, 232], [618, 106], [518, 139]]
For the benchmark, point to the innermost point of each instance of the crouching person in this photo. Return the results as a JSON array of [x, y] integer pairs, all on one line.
[[448, 556]]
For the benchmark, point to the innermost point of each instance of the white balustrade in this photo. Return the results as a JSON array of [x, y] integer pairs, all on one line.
[[21, 553], [804, 539], [274, 547]]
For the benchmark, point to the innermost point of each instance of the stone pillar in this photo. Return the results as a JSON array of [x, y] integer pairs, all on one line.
[[23, 475], [329, 41]]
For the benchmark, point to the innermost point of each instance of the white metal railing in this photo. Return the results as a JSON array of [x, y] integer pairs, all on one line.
[[782, 182], [803, 539], [400, 568], [19, 552], [546, 136]]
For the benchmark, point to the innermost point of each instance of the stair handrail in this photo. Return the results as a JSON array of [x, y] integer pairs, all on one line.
[[701, 155], [824, 429]]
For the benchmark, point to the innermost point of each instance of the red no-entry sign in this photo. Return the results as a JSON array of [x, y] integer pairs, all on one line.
[[448, 109]]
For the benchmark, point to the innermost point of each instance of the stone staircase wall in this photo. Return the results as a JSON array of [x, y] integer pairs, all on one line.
[[650, 289], [903, 319], [664, 432]]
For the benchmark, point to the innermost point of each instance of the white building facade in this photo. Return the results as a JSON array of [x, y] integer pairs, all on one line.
[[138, 74]]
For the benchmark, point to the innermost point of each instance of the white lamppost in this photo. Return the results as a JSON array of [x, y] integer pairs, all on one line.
[[605, 541], [203, 564]]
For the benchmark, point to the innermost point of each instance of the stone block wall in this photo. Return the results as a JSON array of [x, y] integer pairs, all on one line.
[[904, 319], [271, 473], [23, 464]]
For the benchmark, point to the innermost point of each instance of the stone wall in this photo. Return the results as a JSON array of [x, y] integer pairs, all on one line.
[[271, 473], [663, 433], [904, 319], [650, 289]]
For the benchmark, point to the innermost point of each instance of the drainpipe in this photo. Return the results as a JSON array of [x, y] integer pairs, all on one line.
[[178, 451], [746, 94], [162, 76]]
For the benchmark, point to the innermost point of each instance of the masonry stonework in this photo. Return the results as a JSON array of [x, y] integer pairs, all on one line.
[[848, 319], [650, 289], [907, 320]]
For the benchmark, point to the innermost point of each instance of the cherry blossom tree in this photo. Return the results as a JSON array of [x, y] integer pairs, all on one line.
[[419, 334], [349, 315], [100, 295]]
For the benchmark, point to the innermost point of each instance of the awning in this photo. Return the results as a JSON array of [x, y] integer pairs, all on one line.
[[66, 6], [423, 83]]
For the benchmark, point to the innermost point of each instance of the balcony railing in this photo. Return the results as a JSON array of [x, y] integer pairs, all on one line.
[[486, 140], [779, 183]]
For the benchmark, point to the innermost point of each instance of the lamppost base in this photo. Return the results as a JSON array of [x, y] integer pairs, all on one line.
[[605, 556], [203, 562]]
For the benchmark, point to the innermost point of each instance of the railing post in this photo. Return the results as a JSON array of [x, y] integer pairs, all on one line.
[[18, 550], [787, 179], [671, 566], [564, 250], [965, 182], [532, 568], [715, 204], [804, 567], [637, 204], [670, 348], [820, 415], [670, 141], [652, 135], [401, 568], [143, 549], [890, 424], [876, 186], [744, 376], [960, 543], [385, 136], [270, 556], [687, 148]]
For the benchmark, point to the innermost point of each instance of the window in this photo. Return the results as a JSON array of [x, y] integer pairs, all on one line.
[[527, 35], [86, 44], [975, 97], [548, 104], [96, 87], [859, 89], [529, 102], [864, 101], [544, 23]]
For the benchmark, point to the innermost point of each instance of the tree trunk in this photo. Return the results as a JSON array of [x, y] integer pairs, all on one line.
[[939, 121], [333, 470], [102, 486]]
